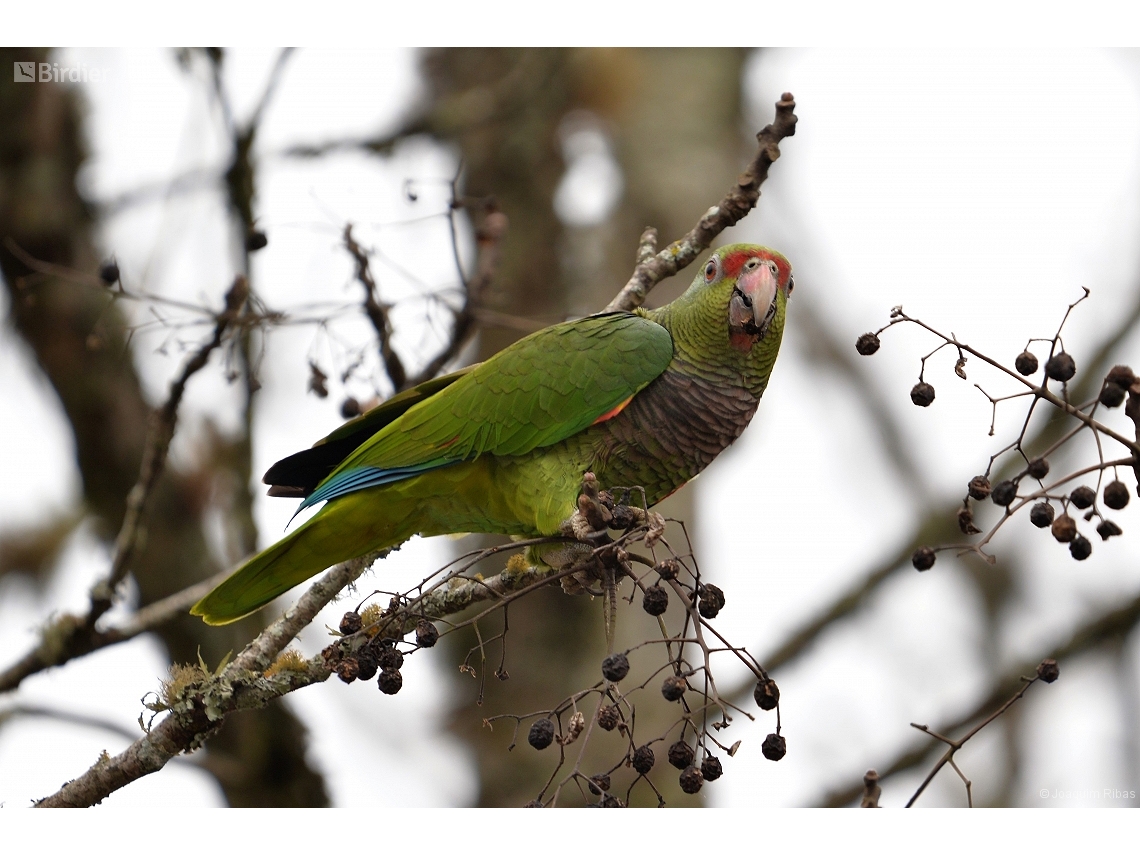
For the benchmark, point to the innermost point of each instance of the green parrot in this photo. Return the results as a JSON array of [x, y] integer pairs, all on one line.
[[645, 398]]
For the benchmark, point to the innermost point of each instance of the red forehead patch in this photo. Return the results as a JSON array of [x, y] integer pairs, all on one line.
[[735, 260]]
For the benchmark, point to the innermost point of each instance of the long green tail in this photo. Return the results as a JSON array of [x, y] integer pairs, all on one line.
[[340, 531]]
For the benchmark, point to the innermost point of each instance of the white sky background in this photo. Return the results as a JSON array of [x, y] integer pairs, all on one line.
[[979, 189]]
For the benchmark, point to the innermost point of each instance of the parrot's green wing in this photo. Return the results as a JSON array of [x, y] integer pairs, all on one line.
[[535, 393]]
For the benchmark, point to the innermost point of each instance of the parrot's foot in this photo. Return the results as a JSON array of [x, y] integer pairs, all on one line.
[[579, 527], [597, 513]]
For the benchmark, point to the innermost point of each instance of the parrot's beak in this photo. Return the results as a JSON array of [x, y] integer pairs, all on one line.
[[752, 307]]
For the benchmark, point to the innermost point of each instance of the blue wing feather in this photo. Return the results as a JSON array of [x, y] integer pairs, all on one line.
[[351, 480]]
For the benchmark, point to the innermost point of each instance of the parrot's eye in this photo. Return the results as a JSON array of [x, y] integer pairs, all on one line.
[[791, 284], [710, 270]]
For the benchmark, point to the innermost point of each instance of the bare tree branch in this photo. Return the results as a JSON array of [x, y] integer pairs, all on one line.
[[1107, 627], [244, 683], [67, 716], [732, 209], [187, 727], [377, 312]]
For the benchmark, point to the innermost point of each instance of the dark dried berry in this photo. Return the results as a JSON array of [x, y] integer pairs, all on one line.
[[766, 694], [867, 344], [643, 760], [390, 681], [350, 623], [1082, 497], [774, 747], [712, 601], [966, 521], [1120, 375], [691, 780], [368, 668], [541, 734], [369, 651], [711, 768], [1026, 363], [1112, 395], [1041, 514], [1116, 495], [922, 395], [923, 558], [390, 657], [426, 633], [1048, 671], [109, 272], [673, 689], [1080, 548], [256, 240], [533, 803], [348, 669], [979, 487], [615, 667], [1038, 468], [1064, 528], [667, 569], [1108, 529], [350, 408], [655, 601], [609, 801], [608, 718], [1004, 493], [624, 518], [1060, 367], [599, 784], [681, 754], [318, 381]]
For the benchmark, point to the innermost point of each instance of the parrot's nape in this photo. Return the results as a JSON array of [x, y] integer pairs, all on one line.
[[645, 398]]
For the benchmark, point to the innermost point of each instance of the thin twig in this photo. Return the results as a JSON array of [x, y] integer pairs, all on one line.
[[489, 240], [956, 744], [376, 311]]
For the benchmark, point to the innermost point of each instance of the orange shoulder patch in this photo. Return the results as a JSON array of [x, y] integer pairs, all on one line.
[[605, 417]]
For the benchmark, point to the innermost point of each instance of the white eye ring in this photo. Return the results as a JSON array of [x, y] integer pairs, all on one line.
[[710, 270]]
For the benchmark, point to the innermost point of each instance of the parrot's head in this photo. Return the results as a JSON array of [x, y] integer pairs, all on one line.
[[732, 316], [759, 281]]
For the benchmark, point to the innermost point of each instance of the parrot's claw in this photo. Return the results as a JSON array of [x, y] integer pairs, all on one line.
[[578, 526]]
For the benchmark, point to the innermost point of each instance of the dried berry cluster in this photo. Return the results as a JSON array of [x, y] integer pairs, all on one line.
[[693, 752], [372, 654], [1027, 482]]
